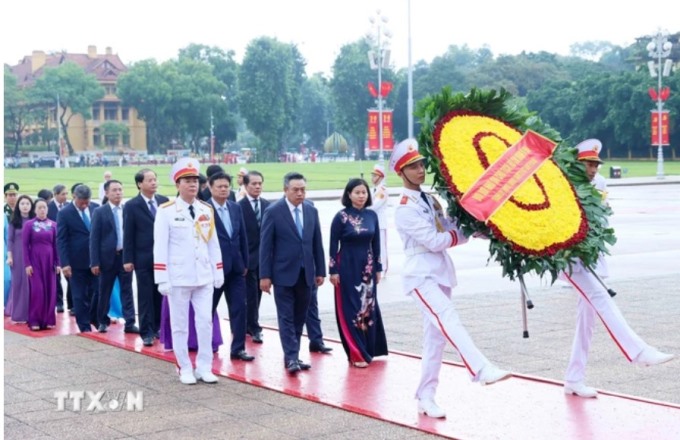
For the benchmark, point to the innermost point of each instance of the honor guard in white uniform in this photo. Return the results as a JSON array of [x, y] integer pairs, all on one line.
[[187, 266], [241, 186], [428, 277], [595, 302], [380, 198]]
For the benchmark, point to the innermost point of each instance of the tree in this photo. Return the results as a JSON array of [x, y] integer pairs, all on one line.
[[225, 69], [351, 75], [316, 112], [19, 112], [113, 130], [270, 80], [67, 86], [145, 86]]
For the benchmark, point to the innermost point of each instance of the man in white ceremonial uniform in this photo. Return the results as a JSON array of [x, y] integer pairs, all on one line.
[[428, 277], [187, 266], [380, 199], [595, 301]]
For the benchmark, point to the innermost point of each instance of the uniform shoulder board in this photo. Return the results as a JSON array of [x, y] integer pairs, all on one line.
[[166, 204], [206, 204], [404, 200]]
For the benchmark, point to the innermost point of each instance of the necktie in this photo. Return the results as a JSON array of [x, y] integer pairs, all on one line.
[[152, 208], [298, 223], [61, 205], [191, 211], [119, 231], [256, 208], [224, 214], [86, 220]]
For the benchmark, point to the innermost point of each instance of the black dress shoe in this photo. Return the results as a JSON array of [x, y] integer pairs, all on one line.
[[293, 367], [148, 341], [132, 329], [319, 348], [242, 355], [60, 309], [102, 328], [257, 337], [303, 366]]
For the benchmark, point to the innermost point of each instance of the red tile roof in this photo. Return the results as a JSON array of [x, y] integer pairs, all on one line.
[[106, 67]]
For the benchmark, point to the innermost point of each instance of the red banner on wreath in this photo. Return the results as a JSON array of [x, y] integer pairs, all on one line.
[[374, 129], [664, 128], [506, 174]]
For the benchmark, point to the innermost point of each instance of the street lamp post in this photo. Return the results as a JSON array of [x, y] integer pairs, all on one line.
[[658, 49], [379, 60], [212, 138]]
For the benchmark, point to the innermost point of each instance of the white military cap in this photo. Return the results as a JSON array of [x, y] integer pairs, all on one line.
[[242, 172], [185, 167], [590, 150], [405, 153], [378, 170]]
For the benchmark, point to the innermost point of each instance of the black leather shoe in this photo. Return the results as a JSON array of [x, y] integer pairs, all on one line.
[[303, 366], [60, 309], [293, 367], [242, 355], [319, 348], [102, 328], [148, 341], [257, 337], [133, 329]]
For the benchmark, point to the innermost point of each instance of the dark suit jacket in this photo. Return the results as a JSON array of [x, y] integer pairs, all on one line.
[[73, 238], [283, 252], [138, 227], [235, 248], [53, 210], [252, 229], [103, 238]]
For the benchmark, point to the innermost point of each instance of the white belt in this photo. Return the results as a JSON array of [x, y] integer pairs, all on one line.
[[416, 250]]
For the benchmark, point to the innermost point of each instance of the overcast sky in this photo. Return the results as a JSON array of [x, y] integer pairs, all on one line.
[[139, 29]]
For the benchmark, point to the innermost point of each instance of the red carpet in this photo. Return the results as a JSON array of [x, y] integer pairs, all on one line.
[[520, 407]]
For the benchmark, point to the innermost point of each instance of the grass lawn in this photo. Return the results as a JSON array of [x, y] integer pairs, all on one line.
[[327, 175]]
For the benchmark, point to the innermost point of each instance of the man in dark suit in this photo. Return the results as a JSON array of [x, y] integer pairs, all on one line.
[[291, 259], [106, 257], [73, 244], [231, 233], [138, 218], [253, 207], [58, 202], [204, 194]]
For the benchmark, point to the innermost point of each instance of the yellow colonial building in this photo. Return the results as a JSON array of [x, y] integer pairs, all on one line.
[[86, 135]]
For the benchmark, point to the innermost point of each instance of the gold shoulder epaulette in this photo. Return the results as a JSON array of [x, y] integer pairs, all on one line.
[[166, 204], [206, 204]]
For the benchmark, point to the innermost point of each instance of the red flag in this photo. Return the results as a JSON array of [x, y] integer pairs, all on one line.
[[385, 88], [653, 94]]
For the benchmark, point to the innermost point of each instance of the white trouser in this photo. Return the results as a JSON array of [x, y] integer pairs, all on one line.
[[441, 323], [201, 298], [593, 302], [383, 250]]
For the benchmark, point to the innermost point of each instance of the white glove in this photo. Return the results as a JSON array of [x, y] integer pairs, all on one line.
[[218, 283], [164, 288]]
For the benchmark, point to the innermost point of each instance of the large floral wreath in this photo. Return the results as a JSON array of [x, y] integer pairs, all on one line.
[[552, 220]]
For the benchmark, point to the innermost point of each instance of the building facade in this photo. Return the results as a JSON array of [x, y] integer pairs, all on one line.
[[88, 136]]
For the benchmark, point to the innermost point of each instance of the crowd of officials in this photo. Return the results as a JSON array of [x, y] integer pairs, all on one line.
[[220, 238]]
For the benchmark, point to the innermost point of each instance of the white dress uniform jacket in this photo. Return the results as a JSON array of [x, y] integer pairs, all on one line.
[[186, 251], [380, 197], [426, 234]]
